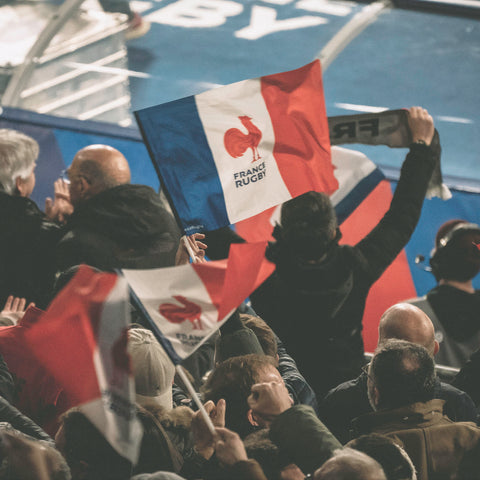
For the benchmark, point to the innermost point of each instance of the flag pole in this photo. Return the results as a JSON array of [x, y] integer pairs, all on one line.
[[195, 398], [189, 248]]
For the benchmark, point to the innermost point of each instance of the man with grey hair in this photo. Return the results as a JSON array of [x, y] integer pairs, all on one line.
[[27, 236], [349, 399], [401, 382]]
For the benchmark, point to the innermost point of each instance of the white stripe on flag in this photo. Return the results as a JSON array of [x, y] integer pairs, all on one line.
[[260, 178], [114, 414], [351, 168]]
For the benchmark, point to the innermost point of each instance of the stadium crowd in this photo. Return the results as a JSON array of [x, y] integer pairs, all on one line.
[[284, 381]]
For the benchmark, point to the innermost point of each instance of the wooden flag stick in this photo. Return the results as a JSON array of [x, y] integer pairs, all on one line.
[[195, 398], [189, 248]]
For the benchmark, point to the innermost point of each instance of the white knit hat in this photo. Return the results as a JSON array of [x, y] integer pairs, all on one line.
[[153, 369]]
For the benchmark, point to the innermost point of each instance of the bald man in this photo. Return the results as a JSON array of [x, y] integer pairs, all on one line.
[[94, 169], [114, 224], [407, 322], [349, 400]]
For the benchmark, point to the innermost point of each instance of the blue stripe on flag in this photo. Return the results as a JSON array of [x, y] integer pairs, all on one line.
[[356, 196], [199, 201]]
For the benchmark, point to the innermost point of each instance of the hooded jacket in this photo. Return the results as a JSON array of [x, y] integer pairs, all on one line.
[[123, 227], [316, 308]]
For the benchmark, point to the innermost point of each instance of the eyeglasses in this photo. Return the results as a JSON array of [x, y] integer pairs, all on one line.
[[64, 176]]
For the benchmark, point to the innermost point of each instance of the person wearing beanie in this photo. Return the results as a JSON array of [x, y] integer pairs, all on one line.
[[454, 304]]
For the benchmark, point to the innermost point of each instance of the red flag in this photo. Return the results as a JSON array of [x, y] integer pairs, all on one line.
[[37, 393], [81, 340]]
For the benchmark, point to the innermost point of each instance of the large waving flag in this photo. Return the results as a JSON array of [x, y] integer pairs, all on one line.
[[186, 304], [229, 153], [82, 341]]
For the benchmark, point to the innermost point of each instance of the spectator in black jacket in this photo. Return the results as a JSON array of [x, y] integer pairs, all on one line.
[[114, 224], [350, 400], [27, 236]]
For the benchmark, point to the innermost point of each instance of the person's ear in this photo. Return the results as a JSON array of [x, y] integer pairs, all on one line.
[[436, 348], [251, 418], [83, 184], [84, 188], [21, 186]]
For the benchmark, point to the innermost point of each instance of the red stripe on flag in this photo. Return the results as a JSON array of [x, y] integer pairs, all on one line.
[[243, 276], [257, 228], [229, 285], [302, 146], [212, 275], [396, 283], [64, 339]]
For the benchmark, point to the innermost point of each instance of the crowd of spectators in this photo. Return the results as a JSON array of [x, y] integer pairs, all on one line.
[[284, 381]]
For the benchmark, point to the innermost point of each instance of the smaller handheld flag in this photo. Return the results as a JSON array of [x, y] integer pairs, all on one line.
[[82, 341], [186, 304]]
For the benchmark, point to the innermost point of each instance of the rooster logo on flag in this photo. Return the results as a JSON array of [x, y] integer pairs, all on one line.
[[236, 142], [177, 314]]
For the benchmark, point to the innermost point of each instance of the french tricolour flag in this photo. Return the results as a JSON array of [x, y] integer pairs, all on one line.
[[230, 153], [186, 304]]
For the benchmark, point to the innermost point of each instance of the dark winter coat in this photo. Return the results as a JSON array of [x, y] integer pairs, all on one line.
[[27, 247], [350, 400], [317, 309], [122, 227], [437, 446]]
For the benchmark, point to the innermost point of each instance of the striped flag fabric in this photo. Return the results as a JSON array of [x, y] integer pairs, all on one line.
[[230, 153], [82, 341], [187, 303], [357, 177]]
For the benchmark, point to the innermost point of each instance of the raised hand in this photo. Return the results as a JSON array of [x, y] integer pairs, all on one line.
[[202, 436], [269, 400], [191, 247], [229, 447], [421, 125], [60, 208], [14, 308]]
